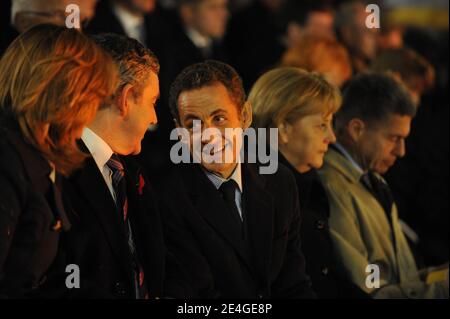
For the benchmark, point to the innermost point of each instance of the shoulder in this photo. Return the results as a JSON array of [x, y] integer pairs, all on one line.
[[11, 161]]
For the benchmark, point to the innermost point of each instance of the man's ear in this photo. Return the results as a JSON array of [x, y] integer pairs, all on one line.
[[356, 129], [247, 115], [123, 100]]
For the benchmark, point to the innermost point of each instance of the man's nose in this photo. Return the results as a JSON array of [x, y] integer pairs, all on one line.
[[153, 117], [400, 148]]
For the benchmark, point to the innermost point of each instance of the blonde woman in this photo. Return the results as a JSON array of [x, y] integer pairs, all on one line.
[[52, 81], [301, 105]]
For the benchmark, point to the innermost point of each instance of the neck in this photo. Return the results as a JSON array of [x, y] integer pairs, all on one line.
[[352, 149], [102, 127], [298, 165]]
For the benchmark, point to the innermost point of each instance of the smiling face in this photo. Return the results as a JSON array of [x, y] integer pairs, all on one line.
[[381, 145], [305, 142], [212, 107]]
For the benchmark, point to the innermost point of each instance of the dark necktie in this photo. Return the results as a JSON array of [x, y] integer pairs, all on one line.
[[380, 190], [119, 185], [228, 191]]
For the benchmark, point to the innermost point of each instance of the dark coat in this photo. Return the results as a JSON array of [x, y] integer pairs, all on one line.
[[31, 215], [98, 244], [221, 264], [316, 241]]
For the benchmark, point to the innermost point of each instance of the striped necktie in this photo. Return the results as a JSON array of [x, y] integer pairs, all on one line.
[[119, 185]]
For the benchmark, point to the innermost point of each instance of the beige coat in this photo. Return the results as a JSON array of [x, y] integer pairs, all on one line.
[[361, 235]]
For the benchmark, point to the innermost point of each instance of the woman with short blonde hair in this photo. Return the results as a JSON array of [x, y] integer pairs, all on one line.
[[301, 105], [52, 81]]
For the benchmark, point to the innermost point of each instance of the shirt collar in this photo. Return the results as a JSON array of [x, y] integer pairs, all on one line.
[[347, 155], [99, 149], [218, 181], [199, 40]]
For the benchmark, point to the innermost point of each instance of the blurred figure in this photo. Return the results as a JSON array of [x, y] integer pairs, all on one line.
[[390, 37], [351, 30], [52, 81], [255, 39], [411, 68], [320, 54], [28, 13], [308, 17], [133, 18], [371, 128], [302, 105]]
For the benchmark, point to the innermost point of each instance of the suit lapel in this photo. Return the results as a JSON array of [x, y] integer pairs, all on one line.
[[259, 214], [146, 229], [208, 202], [91, 185]]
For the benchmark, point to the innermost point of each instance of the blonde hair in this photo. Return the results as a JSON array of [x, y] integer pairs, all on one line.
[[52, 81], [320, 54], [285, 94]]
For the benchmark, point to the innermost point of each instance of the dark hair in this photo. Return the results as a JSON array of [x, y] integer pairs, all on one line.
[[204, 74], [133, 59], [373, 97], [299, 11]]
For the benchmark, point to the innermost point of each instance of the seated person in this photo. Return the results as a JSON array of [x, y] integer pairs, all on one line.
[[235, 230], [302, 105], [370, 248]]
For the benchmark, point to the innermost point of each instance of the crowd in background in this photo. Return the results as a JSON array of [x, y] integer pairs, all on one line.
[[327, 37]]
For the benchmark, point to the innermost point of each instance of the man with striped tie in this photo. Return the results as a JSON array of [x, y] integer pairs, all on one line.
[[117, 239]]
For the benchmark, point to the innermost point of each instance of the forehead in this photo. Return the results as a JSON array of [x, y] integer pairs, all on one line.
[[205, 100], [152, 85], [396, 125]]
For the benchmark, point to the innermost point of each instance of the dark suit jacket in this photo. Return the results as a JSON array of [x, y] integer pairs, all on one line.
[[316, 241], [269, 265], [98, 244], [30, 208]]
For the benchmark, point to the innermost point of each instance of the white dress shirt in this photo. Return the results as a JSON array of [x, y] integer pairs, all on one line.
[[101, 152]]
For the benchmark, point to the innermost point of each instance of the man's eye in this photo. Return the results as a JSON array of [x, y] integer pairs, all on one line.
[[220, 119]]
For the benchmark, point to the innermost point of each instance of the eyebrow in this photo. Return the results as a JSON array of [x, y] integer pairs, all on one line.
[[193, 116], [218, 112]]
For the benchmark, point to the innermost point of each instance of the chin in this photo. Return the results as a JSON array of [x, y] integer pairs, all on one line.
[[219, 169]]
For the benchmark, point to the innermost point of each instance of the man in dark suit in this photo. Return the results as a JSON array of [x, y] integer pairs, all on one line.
[[116, 239], [235, 231]]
